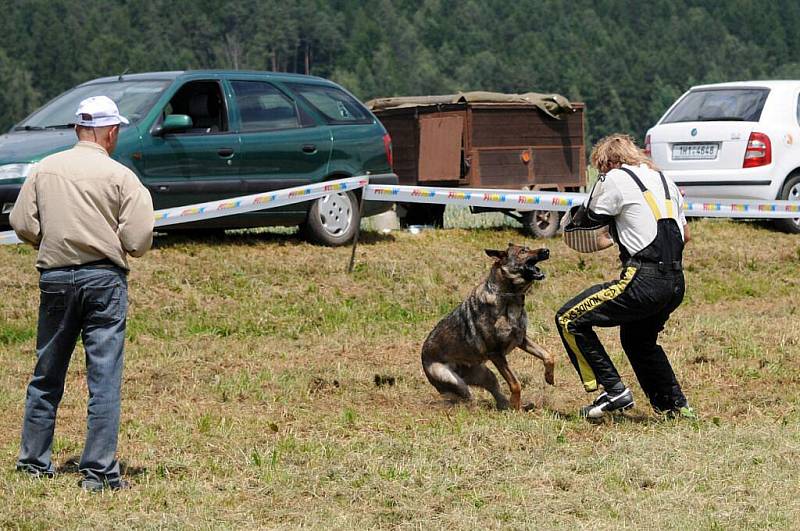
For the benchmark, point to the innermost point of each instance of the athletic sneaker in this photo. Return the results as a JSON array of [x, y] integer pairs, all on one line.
[[606, 403]]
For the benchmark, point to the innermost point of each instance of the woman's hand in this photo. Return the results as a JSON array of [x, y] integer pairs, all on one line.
[[604, 239]]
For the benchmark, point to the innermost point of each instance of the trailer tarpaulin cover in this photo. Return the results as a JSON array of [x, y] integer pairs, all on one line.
[[554, 105]]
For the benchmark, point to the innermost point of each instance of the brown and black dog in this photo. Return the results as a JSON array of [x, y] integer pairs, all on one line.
[[489, 324]]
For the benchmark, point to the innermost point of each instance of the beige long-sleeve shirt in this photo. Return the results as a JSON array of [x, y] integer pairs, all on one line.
[[80, 206]]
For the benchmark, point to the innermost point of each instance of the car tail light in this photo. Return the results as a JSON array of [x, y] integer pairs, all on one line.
[[758, 152], [647, 150], [387, 144]]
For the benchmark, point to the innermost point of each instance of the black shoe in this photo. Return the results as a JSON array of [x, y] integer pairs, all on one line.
[[35, 472], [92, 485], [607, 402]]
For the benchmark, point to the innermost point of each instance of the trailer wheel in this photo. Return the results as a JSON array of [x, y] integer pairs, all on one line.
[[541, 223]]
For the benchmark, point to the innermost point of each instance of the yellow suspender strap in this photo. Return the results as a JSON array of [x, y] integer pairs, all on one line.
[[651, 199], [670, 209], [648, 195], [651, 202]]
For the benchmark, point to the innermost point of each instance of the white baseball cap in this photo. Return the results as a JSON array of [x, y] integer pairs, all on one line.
[[99, 111]]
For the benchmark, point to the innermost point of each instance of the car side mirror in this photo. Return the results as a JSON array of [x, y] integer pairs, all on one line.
[[175, 123]]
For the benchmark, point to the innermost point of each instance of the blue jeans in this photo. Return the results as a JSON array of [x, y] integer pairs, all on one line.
[[90, 301]]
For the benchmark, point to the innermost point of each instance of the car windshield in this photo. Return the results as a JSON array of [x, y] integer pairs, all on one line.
[[716, 105], [134, 99]]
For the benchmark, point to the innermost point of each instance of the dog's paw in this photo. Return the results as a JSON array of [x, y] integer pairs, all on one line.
[[549, 371]]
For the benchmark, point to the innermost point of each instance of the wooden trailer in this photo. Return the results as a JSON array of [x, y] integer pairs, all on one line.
[[486, 140]]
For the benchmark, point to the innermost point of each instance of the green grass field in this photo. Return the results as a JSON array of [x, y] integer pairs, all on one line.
[[250, 397]]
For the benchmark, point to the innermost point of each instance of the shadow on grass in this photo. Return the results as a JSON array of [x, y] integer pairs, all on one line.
[[243, 238], [614, 418], [71, 466], [765, 225]]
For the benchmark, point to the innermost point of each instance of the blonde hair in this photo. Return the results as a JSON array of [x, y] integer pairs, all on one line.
[[615, 150]]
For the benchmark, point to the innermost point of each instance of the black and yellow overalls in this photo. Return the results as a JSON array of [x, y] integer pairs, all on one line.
[[649, 289]]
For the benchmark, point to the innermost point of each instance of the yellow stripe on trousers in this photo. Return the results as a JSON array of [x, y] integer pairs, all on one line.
[[586, 305]]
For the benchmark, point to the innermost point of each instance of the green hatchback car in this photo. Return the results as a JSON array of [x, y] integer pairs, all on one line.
[[198, 136]]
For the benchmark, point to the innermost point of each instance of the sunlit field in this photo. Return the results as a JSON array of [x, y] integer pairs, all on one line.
[[267, 388]]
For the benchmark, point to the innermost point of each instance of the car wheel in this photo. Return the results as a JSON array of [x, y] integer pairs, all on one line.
[[541, 223], [332, 219], [791, 192]]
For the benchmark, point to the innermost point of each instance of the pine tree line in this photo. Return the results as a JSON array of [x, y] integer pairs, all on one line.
[[626, 59]]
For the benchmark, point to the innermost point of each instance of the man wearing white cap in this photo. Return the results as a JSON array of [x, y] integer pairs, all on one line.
[[85, 213]]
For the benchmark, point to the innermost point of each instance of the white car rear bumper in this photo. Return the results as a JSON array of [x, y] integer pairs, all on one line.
[[749, 183]]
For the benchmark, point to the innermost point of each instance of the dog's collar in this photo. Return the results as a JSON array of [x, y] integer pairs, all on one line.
[[499, 294], [510, 294], [494, 291]]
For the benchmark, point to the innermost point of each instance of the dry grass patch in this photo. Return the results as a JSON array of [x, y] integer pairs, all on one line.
[[266, 388]]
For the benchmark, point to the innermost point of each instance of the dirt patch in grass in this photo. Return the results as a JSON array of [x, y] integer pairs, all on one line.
[[266, 388]]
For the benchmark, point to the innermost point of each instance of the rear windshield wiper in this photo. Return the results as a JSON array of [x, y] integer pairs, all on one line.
[[59, 126]]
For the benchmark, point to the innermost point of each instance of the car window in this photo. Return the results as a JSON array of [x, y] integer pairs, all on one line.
[[710, 105], [262, 107], [203, 102], [134, 99], [336, 106]]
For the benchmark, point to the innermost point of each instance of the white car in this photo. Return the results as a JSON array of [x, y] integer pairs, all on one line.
[[733, 140]]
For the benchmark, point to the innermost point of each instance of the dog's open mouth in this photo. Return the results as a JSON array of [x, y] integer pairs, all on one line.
[[531, 271]]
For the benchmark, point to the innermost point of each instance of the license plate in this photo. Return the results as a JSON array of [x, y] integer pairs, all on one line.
[[694, 151]]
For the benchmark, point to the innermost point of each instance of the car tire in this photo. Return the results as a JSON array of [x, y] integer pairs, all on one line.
[[790, 192], [541, 223], [332, 219]]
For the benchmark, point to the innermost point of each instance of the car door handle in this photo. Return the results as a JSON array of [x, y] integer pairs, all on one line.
[[225, 152], [309, 148]]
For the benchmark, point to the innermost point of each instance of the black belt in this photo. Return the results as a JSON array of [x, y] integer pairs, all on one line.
[[661, 267], [99, 264]]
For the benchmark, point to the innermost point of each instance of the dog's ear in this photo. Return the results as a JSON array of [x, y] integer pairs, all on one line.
[[494, 253]]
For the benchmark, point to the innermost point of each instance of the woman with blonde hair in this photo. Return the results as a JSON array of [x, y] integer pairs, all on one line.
[[645, 212]]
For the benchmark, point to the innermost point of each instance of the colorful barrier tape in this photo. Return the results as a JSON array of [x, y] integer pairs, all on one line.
[[500, 199], [251, 203], [240, 205], [8, 238], [740, 208], [522, 201]]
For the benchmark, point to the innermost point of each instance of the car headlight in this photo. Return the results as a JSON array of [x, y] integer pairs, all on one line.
[[14, 171]]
